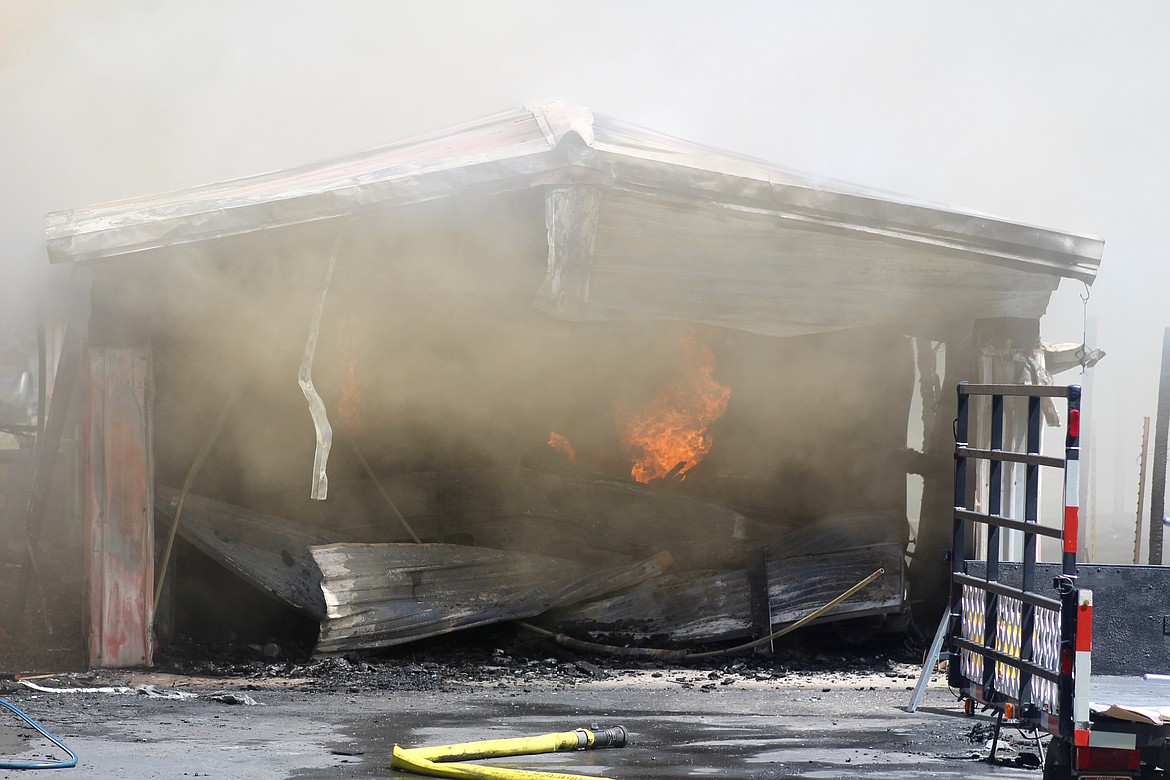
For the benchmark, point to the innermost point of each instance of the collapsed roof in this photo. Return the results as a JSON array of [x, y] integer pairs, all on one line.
[[642, 226]]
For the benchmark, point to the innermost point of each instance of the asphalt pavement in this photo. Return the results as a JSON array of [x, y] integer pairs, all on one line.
[[682, 724]]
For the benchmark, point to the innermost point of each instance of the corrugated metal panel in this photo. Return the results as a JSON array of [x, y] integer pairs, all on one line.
[[119, 508]]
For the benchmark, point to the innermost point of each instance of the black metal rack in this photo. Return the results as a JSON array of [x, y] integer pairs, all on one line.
[[1010, 641]]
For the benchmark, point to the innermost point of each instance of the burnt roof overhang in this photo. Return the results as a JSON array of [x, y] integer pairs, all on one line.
[[643, 226]]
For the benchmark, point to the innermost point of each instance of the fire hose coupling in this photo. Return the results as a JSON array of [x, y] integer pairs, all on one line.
[[596, 737]]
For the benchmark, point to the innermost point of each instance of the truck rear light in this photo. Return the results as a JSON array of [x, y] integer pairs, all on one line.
[[1096, 759], [1074, 422]]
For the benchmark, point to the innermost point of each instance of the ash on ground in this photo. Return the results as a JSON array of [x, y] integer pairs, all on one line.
[[501, 657]]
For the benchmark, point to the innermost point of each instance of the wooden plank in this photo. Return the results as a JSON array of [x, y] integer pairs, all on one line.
[[387, 594], [119, 507]]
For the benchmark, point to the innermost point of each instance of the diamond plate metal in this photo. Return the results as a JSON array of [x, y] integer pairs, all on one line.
[[1008, 640], [974, 619]]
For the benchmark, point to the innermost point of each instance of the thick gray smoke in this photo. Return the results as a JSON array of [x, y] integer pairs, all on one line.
[[1051, 113]]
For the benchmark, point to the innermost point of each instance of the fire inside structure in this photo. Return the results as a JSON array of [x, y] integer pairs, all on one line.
[[644, 383]]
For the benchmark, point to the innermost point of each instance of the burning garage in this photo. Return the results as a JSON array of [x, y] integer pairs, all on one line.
[[544, 366]]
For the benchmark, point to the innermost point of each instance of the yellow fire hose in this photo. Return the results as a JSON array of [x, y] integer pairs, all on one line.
[[435, 761]]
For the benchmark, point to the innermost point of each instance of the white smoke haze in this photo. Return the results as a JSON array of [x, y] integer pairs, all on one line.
[[1049, 113]]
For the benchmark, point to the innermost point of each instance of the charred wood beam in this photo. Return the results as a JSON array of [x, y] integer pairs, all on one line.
[[761, 611]]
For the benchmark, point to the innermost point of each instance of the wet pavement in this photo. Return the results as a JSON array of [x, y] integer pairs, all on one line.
[[738, 735], [805, 726]]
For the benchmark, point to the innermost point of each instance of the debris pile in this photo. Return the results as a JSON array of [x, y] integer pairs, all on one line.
[[499, 658]]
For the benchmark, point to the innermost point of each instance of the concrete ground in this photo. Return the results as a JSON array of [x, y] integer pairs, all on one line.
[[682, 722]]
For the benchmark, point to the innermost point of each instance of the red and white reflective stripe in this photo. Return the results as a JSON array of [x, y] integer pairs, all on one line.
[[1072, 504], [1083, 664]]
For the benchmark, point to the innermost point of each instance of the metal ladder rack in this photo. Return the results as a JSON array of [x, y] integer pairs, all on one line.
[[1010, 643]]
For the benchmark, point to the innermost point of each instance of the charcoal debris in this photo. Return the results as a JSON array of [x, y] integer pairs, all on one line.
[[499, 658]]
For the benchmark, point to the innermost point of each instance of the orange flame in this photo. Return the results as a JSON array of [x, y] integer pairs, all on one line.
[[562, 445], [669, 434]]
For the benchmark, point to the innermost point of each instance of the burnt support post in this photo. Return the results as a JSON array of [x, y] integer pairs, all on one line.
[[761, 607], [1158, 480], [119, 507], [930, 567]]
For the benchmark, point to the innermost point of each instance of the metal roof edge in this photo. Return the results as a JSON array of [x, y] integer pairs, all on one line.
[[523, 147]]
